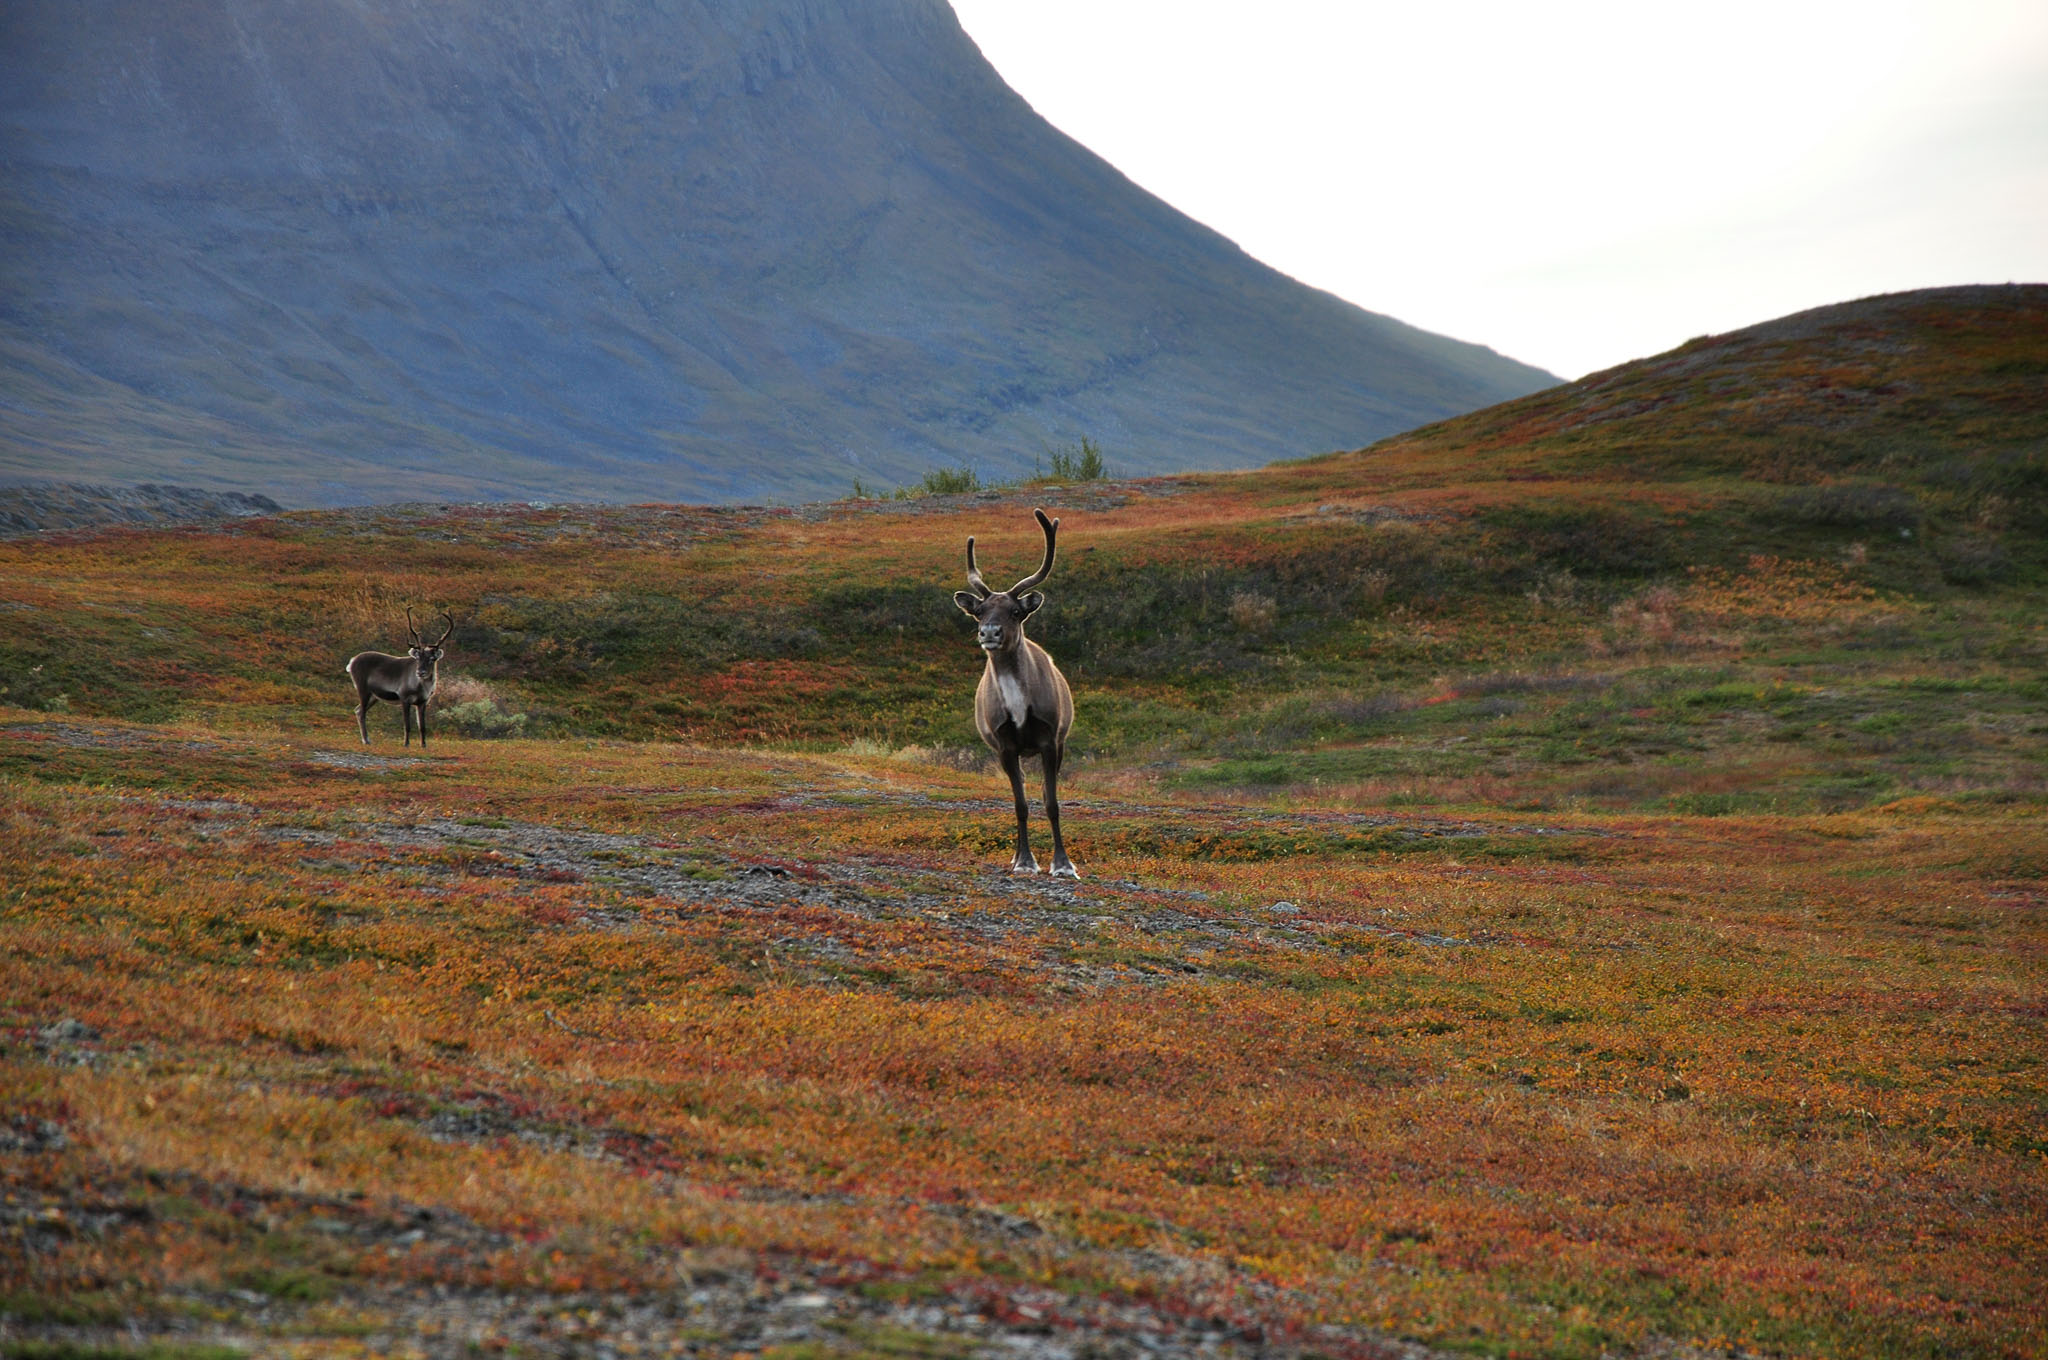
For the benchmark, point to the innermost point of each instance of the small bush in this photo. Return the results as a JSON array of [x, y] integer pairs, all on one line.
[[1644, 620], [464, 689], [1252, 610], [32, 687], [1078, 462], [484, 720], [943, 482], [1372, 587], [474, 708]]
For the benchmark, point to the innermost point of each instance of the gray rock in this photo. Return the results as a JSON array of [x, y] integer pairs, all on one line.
[[68, 1031], [33, 506]]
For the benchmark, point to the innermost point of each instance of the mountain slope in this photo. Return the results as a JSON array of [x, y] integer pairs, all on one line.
[[693, 251], [1938, 385]]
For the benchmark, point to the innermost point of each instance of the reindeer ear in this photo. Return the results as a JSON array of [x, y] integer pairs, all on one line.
[[969, 602], [1028, 603]]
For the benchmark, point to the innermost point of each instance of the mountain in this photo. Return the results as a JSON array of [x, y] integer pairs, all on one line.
[[694, 250]]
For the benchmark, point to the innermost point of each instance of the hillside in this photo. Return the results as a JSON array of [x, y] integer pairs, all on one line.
[[1567, 882], [1941, 388], [1303, 622], [536, 250]]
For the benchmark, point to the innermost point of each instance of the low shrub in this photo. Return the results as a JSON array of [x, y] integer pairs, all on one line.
[[475, 709], [1078, 462], [942, 482], [484, 720], [1252, 611]]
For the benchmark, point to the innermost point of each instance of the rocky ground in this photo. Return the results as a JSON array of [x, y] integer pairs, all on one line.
[[722, 1302], [38, 506]]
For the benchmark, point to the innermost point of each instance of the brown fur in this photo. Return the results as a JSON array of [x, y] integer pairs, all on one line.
[[1023, 706], [407, 681]]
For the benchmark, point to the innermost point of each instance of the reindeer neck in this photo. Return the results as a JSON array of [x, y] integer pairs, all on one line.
[[1013, 660]]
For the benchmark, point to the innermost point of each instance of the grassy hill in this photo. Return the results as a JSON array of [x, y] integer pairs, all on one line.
[[1566, 881], [1826, 531]]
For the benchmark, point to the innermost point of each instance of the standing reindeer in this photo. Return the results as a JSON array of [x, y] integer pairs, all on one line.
[[407, 681], [1023, 706]]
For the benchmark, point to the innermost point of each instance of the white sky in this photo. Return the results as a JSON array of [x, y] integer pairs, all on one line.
[[1576, 183]]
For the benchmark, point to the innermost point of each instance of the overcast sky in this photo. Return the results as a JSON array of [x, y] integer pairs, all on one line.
[[1573, 183]]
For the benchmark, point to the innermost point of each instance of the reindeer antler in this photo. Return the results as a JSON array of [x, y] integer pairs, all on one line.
[[974, 572], [1051, 527], [445, 632], [411, 627]]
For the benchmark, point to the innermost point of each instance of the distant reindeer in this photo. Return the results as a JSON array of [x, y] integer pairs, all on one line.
[[1023, 706], [407, 681]]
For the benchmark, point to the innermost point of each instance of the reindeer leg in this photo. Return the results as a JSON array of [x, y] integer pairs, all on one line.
[[1062, 867], [405, 707], [423, 724], [1013, 766], [363, 704]]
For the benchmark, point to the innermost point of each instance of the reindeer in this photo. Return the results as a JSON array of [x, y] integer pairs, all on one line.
[[1023, 706], [407, 681]]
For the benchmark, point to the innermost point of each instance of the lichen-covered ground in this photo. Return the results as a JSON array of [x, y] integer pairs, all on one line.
[[581, 1048]]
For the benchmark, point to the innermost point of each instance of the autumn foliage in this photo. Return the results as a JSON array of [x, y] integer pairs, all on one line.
[[1533, 917]]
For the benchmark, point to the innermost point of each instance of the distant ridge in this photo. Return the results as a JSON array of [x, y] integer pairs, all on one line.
[[707, 250]]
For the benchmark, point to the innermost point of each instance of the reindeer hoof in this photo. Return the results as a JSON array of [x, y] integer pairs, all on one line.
[[1024, 866], [1063, 869]]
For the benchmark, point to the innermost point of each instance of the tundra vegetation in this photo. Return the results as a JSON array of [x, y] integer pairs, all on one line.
[[1567, 881]]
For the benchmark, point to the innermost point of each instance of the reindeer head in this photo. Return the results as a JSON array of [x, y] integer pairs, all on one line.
[[426, 653], [1002, 613]]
